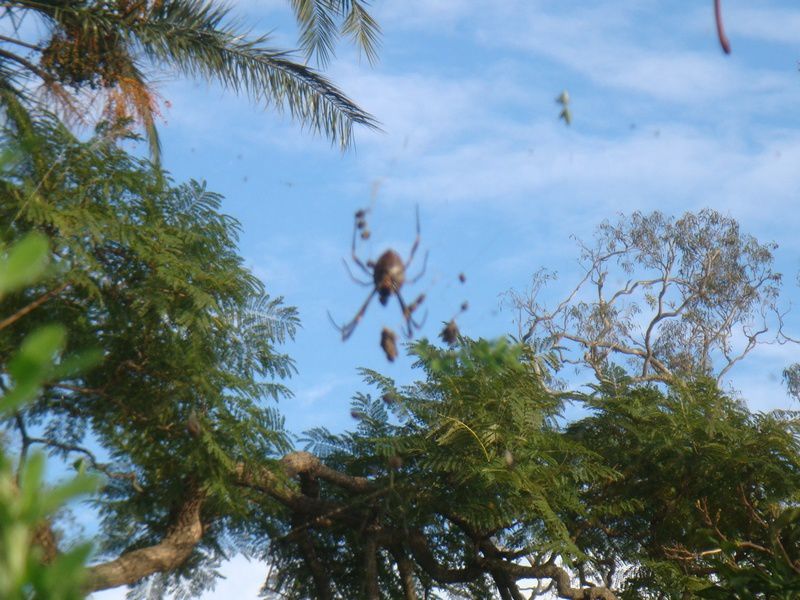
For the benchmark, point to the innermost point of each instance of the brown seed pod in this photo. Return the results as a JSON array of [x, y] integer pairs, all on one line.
[[508, 458], [389, 398], [395, 462], [464, 306], [357, 414], [361, 223], [389, 343], [193, 425], [360, 214], [365, 234], [462, 278], [449, 333]]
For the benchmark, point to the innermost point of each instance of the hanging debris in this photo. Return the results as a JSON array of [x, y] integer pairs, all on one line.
[[723, 39], [566, 113], [449, 333], [389, 343], [193, 425]]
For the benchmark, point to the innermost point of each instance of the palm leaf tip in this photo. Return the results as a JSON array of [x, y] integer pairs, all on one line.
[[319, 29]]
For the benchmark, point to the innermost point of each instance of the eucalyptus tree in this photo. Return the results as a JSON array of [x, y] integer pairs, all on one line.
[[76, 51], [663, 297]]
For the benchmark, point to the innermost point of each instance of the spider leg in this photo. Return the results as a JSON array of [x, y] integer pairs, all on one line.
[[408, 313], [419, 275], [357, 260], [420, 324], [416, 243], [347, 330], [353, 277]]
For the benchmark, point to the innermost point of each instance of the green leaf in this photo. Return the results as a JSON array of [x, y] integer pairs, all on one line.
[[33, 364], [24, 263], [37, 353]]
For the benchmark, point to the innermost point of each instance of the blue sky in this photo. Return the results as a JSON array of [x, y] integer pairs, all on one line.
[[465, 93]]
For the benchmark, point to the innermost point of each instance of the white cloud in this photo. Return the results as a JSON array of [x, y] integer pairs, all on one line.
[[767, 23]]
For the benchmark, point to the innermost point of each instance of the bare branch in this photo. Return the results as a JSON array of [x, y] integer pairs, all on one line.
[[30, 307], [698, 297]]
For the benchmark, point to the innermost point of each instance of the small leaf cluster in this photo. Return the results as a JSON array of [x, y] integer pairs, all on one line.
[[26, 501]]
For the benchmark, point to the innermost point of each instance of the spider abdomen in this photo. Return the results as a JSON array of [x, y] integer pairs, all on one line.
[[389, 274]]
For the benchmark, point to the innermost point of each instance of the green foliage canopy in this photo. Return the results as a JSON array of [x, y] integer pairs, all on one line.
[[146, 273]]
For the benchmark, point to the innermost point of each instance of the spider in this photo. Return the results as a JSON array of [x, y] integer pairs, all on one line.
[[388, 275]]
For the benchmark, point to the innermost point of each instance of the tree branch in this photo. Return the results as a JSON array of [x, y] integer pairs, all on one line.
[[169, 554], [33, 305], [405, 568]]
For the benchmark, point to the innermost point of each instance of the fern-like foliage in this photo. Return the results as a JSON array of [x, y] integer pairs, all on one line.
[[147, 273], [706, 503], [474, 446]]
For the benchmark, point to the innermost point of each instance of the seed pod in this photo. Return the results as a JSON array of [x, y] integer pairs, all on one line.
[[361, 223], [193, 425], [508, 458], [365, 234], [360, 214], [389, 343], [462, 278], [449, 334], [389, 398], [464, 306], [395, 462], [357, 414]]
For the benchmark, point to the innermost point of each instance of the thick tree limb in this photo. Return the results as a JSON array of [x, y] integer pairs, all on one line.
[[165, 556], [305, 462], [322, 582], [371, 582], [499, 564], [558, 575], [405, 569]]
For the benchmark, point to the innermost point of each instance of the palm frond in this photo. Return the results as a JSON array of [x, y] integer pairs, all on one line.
[[98, 46], [191, 35], [319, 31], [363, 29], [317, 27]]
